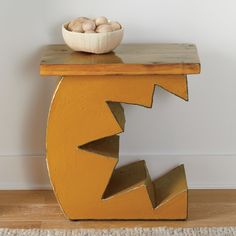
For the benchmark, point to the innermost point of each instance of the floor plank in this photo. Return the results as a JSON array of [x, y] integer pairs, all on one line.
[[39, 209]]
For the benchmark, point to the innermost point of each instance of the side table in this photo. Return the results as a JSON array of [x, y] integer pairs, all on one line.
[[85, 118]]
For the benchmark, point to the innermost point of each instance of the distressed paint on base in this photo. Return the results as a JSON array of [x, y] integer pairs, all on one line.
[[83, 150]]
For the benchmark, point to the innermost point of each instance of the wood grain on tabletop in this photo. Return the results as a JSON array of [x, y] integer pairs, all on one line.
[[127, 59]]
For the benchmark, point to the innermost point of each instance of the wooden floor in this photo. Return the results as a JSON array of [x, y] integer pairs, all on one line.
[[39, 209]]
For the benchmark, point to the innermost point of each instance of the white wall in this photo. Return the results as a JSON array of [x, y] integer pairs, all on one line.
[[200, 133]]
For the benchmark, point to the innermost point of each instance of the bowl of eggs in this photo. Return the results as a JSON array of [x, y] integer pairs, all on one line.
[[97, 36]]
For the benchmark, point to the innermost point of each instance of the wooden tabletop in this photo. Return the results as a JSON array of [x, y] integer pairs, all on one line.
[[127, 59]]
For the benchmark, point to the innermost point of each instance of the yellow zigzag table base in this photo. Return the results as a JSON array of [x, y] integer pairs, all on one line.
[[83, 150]]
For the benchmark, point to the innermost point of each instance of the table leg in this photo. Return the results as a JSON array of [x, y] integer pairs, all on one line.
[[83, 151]]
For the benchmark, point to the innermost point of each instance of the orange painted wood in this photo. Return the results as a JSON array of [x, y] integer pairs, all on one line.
[[83, 151], [127, 59]]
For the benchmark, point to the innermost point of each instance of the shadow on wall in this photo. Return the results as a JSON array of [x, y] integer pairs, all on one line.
[[209, 112], [35, 121], [146, 119]]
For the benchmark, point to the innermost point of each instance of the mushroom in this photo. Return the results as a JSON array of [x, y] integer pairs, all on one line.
[[104, 28], [98, 25], [88, 25], [115, 25], [74, 24], [101, 20], [77, 27]]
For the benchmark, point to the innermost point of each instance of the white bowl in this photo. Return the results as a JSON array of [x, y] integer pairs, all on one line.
[[92, 42]]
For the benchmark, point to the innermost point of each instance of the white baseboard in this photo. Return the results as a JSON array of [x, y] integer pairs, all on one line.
[[203, 171], [23, 172]]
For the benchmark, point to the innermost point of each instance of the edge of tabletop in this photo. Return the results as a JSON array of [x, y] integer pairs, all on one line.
[[118, 69]]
